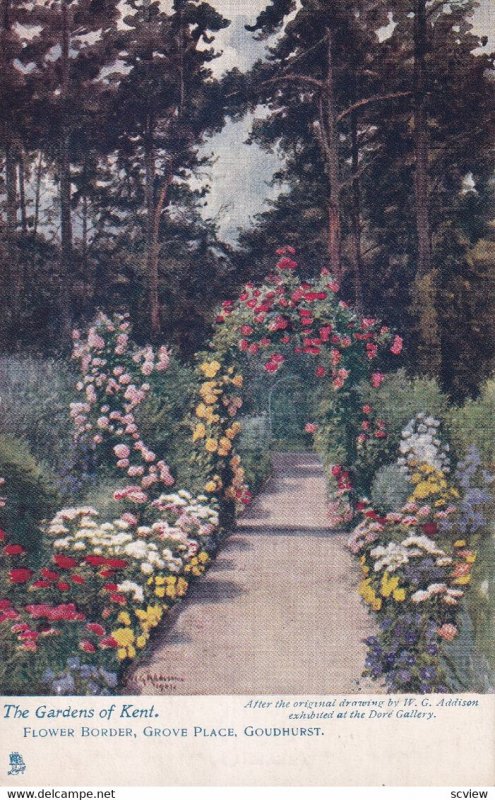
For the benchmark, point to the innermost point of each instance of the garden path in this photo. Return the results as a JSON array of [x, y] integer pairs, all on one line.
[[277, 613]]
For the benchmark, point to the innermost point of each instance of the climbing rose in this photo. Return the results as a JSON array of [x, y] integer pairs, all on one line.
[[121, 451], [287, 263], [377, 380], [396, 348]]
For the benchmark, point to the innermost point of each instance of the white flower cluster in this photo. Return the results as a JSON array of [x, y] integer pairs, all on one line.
[[421, 444], [448, 596], [195, 516], [397, 554], [80, 534]]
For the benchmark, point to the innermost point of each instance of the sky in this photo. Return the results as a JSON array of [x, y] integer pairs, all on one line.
[[240, 175]]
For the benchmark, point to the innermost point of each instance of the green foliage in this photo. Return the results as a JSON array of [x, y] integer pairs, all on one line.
[[30, 496], [162, 419], [16, 667], [474, 423], [400, 398], [481, 606], [466, 309], [34, 407], [99, 495], [254, 449], [390, 488]]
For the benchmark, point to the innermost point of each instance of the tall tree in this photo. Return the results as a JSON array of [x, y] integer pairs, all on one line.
[[74, 43], [415, 114], [324, 60], [169, 102]]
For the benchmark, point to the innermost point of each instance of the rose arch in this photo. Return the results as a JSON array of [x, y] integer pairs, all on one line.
[[288, 315]]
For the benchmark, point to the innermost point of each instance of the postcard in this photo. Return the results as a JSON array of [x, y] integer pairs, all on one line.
[[247, 393]]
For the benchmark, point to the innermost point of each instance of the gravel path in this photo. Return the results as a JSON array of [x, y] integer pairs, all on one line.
[[278, 612]]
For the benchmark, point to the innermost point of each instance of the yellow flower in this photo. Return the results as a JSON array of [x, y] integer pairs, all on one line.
[[209, 387], [415, 478], [388, 585], [171, 592], [210, 487], [122, 653], [211, 445], [203, 557], [422, 490], [124, 618], [399, 595], [160, 591], [462, 581], [234, 429], [171, 580], [182, 586], [439, 503], [199, 432], [210, 368], [159, 580], [201, 410], [454, 493], [131, 652], [369, 596], [225, 443], [460, 543], [141, 640], [123, 636], [238, 380], [151, 617], [471, 558]]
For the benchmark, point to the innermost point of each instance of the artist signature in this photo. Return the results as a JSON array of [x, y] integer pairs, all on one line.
[[165, 683]]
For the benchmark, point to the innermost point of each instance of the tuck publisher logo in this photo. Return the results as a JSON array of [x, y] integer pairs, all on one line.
[[17, 765]]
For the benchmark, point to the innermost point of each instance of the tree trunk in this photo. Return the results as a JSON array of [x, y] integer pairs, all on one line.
[[356, 215], [421, 139], [65, 187], [37, 194], [182, 84], [22, 194], [14, 268], [424, 289], [151, 246], [11, 190], [334, 232]]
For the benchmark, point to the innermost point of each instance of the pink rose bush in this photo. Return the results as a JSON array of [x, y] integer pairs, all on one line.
[[107, 583]]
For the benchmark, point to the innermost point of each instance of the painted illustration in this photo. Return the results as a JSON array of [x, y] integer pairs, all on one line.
[[247, 347]]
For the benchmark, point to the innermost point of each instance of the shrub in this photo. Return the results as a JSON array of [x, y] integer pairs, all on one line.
[[31, 496], [474, 423], [162, 422], [401, 398], [390, 488], [398, 400], [34, 407]]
